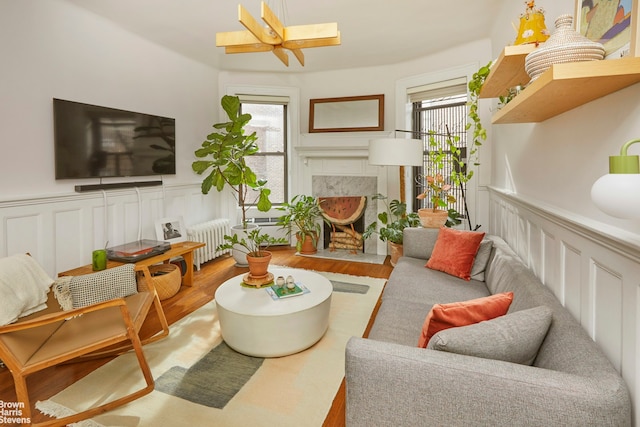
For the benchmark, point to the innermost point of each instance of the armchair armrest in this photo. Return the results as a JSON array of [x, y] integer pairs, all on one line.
[[391, 384]]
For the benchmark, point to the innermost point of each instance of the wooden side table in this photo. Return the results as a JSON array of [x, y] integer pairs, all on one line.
[[183, 249]]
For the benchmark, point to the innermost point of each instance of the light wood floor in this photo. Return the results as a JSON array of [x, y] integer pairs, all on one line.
[[44, 384]]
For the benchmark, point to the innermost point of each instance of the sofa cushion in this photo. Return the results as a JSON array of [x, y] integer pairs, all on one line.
[[411, 281], [81, 291], [481, 260], [514, 337], [455, 251], [444, 316]]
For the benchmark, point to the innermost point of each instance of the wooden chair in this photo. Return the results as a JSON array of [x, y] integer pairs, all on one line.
[[51, 337]]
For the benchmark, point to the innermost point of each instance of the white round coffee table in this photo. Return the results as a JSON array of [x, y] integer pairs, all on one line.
[[255, 324]]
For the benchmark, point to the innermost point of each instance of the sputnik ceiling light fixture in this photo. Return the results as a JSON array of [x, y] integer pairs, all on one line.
[[617, 193], [275, 37]]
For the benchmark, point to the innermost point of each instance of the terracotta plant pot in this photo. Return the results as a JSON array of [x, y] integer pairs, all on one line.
[[308, 245], [259, 265], [431, 219], [396, 251]]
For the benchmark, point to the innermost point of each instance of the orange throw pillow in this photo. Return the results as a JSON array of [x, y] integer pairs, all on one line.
[[455, 251], [445, 316]]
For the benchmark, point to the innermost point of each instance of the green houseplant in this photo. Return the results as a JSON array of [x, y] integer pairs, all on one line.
[[436, 189], [474, 123], [225, 151], [223, 159], [302, 215], [255, 246], [394, 219]]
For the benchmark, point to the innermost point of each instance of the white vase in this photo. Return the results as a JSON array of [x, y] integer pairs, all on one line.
[[238, 252]]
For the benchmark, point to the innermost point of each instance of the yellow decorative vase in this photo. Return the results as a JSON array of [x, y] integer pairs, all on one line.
[[532, 27], [432, 219]]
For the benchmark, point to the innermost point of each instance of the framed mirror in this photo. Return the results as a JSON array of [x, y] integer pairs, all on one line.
[[347, 114]]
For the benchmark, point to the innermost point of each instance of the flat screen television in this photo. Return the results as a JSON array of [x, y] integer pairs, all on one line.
[[100, 142]]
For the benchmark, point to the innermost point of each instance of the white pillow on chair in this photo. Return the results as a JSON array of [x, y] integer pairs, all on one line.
[[23, 287]]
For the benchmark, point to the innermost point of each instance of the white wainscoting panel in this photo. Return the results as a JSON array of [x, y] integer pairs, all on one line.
[[24, 234], [68, 225], [571, 295], [61, 231], [592, 268]]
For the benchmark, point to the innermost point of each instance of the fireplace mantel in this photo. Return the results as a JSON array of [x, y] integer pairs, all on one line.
[[351, 152], [346, 145]]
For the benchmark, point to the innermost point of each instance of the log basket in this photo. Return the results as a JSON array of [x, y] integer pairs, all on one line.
[[166, 279]]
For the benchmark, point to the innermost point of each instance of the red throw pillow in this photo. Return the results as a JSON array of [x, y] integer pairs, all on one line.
[[455, 251], [445, 316]]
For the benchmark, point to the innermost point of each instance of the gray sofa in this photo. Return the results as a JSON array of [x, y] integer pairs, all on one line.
[[392, 382]]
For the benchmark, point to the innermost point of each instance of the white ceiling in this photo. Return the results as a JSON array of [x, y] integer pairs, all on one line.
[[373, 33]]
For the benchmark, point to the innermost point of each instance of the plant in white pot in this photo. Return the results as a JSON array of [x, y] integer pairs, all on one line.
[[223, 157], [302, 217]]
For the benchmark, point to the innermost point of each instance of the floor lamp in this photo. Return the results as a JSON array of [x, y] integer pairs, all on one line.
[[397, 152]]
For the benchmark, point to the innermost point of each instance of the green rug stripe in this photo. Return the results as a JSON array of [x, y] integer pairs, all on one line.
[[352, 288], [213, 380]]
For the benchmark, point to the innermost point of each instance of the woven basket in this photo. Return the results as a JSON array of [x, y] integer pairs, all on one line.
[[166, 279], [565, 45]]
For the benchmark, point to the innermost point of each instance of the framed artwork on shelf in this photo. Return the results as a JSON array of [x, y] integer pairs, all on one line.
[[347, 114], [612, 23], [171, 230]]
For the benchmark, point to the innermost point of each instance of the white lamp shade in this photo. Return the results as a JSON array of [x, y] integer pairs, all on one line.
[[396, 152], [618, 194]]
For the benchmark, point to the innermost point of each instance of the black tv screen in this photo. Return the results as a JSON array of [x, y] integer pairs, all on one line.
[[97, 142]]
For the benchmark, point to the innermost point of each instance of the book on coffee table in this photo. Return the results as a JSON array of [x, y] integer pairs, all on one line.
[[276, 292]]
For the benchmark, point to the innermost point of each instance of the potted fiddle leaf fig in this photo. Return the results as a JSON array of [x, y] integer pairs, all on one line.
[[225, 152], [394, 219], [223, 160], [301, 216]]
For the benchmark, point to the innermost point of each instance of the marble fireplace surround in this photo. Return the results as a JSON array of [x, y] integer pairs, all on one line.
[[338, 165]]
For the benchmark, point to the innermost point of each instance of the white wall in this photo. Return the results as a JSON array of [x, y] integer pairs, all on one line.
[[558, 160], [541, 206], [350, 82], [55, 49]]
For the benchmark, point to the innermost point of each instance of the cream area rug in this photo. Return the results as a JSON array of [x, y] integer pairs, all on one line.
[[201, 382]]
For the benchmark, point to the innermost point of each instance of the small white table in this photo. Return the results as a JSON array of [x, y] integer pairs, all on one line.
[[254, 324]]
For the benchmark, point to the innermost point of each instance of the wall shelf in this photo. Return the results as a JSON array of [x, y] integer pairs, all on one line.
[[559, 89], [508, 71], [567, 86]]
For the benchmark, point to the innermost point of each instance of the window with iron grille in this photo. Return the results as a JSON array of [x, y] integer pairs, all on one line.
[[437, 119], [269, 122]]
